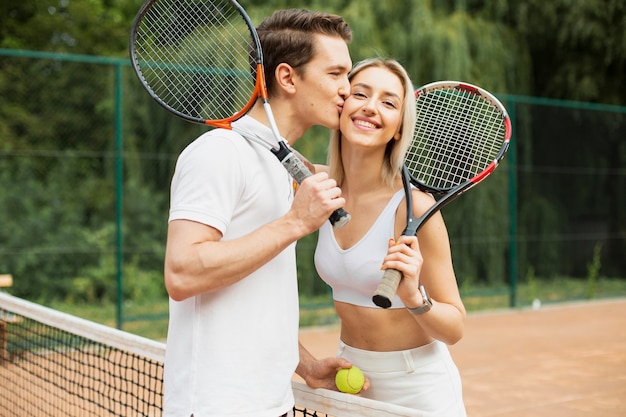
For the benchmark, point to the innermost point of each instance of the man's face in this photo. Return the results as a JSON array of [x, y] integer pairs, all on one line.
[[323, 84]]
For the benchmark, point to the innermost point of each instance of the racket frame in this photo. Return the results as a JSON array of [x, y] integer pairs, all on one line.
[[386, 290], [296, 168]]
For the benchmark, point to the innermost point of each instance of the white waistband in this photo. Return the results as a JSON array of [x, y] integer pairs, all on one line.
[[401, 360]]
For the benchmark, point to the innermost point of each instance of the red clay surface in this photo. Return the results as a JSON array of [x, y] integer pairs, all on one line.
[[565, 360]]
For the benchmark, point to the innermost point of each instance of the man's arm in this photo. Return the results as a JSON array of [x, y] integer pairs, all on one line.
[[198, 261]]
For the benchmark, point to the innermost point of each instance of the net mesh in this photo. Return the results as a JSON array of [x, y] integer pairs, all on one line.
[[195, 57], [46, 370], [459, 133], [54, 364]]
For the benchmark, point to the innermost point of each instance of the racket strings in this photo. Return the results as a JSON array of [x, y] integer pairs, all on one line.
[[458, 135], [195, 56]]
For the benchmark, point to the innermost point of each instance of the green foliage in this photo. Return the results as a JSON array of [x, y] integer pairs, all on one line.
[[547, 291], [57, 137], [95, 27], [541, 218], [479, 247], [441, 40], [531, 283], [149, 316], [574, 40], [593, 271], [309, 282]]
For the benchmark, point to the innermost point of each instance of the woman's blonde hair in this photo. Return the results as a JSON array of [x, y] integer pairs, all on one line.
[[396, 149]]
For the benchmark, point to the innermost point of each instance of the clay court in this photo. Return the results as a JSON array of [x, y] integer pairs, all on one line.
[[563, 360]]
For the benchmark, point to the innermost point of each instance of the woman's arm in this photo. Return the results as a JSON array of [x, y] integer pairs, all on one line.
[[428, 262]]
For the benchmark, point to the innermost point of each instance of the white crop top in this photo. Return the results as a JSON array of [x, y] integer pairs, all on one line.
[[354, 273]]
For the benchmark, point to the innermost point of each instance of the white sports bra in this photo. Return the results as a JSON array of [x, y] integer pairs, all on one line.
[[354, 273]]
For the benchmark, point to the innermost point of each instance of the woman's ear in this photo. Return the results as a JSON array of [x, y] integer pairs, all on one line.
[[285, 78]]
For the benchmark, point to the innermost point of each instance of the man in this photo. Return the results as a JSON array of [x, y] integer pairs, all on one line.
[[230, 267]]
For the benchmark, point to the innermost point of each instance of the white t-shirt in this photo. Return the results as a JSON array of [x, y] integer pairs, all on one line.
[[233, 352]]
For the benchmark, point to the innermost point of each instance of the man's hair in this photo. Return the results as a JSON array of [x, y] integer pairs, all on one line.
[[396, 149], [287, 37]]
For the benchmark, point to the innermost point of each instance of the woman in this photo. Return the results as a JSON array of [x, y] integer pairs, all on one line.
[[401, 350]]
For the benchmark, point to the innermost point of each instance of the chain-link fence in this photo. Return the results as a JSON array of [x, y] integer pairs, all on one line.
[[86, 160]]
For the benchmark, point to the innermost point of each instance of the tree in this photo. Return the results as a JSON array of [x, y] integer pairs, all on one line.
[[567, 49], [578, 48], [92, 27]]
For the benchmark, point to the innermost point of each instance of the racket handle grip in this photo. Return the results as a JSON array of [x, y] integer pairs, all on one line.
[[339, 218], [387, 287], [300, 172]]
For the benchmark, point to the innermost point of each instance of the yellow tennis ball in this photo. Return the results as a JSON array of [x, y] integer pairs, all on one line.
[[350, 380]]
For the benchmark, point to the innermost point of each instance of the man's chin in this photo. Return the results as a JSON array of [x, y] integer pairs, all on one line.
[[334, 124]]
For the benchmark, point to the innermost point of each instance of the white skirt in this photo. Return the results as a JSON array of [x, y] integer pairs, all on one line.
[[425, 378]]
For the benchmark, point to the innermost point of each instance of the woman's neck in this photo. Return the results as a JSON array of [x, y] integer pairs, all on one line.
[[363, 173]]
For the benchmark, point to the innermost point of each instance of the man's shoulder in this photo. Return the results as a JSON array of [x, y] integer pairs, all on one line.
[[216, 140]]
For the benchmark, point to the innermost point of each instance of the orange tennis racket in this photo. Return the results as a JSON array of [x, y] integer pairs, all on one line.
[[202, 61]]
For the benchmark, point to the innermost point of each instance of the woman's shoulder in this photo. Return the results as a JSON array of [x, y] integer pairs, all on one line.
[[422, 201], [421, 197]]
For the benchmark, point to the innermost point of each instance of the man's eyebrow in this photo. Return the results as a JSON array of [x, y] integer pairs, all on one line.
[[339, 67]]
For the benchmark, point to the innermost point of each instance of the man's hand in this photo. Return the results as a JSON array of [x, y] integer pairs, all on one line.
[[315, 200], [321, 373]]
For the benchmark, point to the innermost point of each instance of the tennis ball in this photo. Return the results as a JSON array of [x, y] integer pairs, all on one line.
[[350, 380]]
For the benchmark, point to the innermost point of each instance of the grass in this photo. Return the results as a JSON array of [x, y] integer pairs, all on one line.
[[546, 291], [149, 318]]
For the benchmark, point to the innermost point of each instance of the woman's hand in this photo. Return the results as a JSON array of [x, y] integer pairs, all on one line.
[[404, 255]]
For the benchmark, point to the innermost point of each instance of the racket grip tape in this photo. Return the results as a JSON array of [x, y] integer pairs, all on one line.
[[299, 171], [387, 287], [339, 218], [295, 167]]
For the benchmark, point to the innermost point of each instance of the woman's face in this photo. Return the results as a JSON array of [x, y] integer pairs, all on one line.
[[372, 114]]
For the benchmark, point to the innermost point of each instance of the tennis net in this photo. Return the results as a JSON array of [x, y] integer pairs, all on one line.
[[54, 364]]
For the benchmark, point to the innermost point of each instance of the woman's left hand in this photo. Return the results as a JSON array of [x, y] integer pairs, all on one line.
[[404, 255]]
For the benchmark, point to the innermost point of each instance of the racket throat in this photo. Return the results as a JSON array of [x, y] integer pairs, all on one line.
[[291, 162], [282, 152], [411, 228]]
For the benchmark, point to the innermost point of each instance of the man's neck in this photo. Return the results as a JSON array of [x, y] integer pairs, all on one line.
[[287, 122]]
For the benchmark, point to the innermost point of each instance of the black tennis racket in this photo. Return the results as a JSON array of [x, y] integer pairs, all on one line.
[[462, 132], [202, 61]]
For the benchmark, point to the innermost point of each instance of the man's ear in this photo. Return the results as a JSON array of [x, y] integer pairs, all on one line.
[[285, 75]]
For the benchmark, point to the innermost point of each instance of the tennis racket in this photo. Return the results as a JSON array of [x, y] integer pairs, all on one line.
[[462, 132], [202, 61]]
